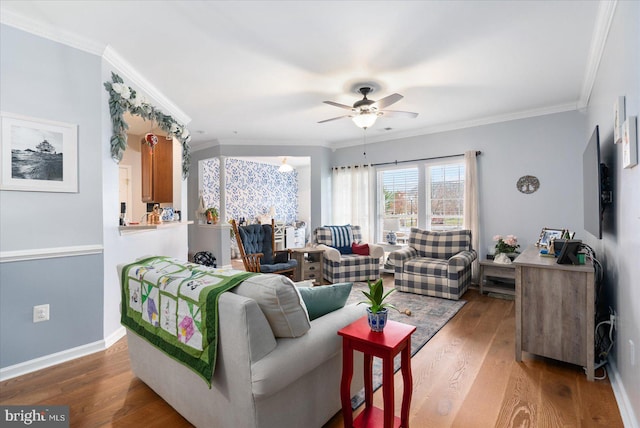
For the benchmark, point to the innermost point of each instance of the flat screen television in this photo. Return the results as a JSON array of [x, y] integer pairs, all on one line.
[[596, 191]]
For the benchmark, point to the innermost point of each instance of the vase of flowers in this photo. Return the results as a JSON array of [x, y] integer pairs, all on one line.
[[507, 245], [377, 311]]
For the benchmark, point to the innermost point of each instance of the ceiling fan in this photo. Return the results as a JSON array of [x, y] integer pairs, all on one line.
[[365, 111]]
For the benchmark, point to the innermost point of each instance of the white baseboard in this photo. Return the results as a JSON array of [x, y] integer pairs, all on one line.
[[60, 357], [114, 337], [629, 419]]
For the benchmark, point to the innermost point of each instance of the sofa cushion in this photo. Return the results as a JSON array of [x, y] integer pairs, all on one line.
[[323, 299], [341, 237], [294, 358], [439, 245], [360, 249], [427, 266], [280, 301]]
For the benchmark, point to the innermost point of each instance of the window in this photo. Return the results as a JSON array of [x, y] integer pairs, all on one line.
[[429, 196], [398, 200], [445, 196]]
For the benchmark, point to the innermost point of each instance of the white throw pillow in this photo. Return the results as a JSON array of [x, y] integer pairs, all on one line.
[[280, 302]]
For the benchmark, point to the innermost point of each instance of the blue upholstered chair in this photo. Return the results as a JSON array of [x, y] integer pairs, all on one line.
[[257, 249], [436, 264]]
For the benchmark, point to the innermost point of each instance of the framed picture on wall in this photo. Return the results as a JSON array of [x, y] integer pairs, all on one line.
[[618, 118], [547, 234], [38, 155], [630, 143]]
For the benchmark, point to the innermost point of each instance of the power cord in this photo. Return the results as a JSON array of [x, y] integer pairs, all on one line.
[[604, 342]]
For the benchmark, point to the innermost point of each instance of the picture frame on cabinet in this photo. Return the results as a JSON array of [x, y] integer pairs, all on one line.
[[618, 119], [38, 155], [547, 234], [630, 143]]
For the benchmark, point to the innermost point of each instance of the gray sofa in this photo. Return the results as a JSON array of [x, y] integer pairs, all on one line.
[[259, 381]]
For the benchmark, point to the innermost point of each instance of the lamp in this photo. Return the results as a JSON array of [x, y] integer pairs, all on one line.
[[391, 225], [365, 119], [285, 167]]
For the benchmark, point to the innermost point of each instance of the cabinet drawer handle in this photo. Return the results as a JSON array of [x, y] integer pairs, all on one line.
[[312, 268]]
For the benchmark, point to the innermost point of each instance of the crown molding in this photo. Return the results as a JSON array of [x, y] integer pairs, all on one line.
[[560, 108], [50, 32], [606, 10]]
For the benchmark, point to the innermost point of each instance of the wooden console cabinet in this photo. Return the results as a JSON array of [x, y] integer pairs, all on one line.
[[157, 171], [555, 309]]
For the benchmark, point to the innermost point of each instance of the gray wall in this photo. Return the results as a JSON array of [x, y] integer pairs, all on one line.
[[43, 79], [619, 74], [549, 147]]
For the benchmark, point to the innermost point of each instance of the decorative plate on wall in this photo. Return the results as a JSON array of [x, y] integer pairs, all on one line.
[[528, 184]]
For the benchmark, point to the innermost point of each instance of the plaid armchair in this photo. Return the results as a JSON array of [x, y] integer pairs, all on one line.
[[437, 264], [339, 263]]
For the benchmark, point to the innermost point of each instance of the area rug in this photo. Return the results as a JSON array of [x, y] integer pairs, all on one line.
[[428, 314]]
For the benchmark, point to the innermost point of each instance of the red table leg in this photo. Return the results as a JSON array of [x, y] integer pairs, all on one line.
[[408, 384], [368, 380], [345, 383], [387, 390]]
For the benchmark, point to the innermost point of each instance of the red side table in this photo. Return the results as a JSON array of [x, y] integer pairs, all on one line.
[[396, 337]]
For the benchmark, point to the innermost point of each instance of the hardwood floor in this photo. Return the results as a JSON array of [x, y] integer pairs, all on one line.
[[465, 376]]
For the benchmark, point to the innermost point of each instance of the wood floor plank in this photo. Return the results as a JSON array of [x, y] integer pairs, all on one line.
[[465, 376], [490, 384]]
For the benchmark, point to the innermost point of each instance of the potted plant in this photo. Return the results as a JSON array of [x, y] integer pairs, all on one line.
[[212, 215], [377, 311]]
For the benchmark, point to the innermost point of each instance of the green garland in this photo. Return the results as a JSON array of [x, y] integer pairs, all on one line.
[[122, 98]]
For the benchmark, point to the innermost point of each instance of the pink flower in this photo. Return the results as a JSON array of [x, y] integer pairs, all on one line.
[[511, 240], [497, 237]]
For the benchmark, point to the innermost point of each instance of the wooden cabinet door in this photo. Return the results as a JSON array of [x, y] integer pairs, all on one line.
[[157, 172]]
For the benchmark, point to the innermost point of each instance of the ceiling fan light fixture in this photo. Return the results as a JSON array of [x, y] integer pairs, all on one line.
[[365, 120], [285, 167]]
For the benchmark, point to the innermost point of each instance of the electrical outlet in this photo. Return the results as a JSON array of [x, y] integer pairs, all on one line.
[[41, 313], [632, 353]]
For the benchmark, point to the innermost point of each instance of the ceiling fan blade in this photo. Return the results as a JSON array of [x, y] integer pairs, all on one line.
[[388, 100], [334, 118], [338, 105], [396, 113]]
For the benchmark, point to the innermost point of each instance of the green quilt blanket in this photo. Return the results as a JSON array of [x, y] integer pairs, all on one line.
[[174, 306]]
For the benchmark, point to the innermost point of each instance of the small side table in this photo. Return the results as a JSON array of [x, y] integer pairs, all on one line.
[[395, 338], [388, 248], [310, 262], [497, 270]]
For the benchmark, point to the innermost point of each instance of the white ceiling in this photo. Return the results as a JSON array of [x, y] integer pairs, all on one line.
[[257, 72]]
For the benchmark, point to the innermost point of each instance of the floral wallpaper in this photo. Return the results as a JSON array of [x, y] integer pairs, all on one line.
[[252, 189]]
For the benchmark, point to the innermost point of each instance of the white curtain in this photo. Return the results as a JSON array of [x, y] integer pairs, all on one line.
[[471, 204], [351, 197]]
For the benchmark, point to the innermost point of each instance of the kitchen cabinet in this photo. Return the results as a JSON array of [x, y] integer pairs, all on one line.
[[157, 171]]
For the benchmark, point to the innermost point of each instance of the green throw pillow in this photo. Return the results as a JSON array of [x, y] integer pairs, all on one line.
[[322, 299]]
